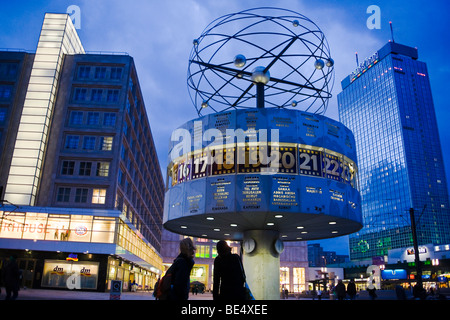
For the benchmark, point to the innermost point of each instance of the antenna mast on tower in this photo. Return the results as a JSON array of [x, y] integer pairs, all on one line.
[[392, 32]]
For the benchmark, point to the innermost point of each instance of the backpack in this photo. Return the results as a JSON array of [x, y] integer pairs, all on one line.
[[163, 289], [165, 284]]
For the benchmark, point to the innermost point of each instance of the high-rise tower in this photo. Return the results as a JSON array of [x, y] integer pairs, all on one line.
[[387, 103]]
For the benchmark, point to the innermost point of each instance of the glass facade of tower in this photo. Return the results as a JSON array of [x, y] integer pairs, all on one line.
[[388, 105]]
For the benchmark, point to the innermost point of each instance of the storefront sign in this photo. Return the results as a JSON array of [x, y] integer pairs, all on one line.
[[410, 251], [44, 226], [396, 274], [72, 257], [70, 274]]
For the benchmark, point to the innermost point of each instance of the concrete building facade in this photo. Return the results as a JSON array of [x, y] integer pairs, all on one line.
[[83, 189]]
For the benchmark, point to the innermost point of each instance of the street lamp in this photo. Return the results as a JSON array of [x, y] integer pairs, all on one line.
[[415, 242], [416, 245]]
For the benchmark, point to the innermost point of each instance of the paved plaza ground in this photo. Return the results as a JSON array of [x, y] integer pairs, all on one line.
[[98, 305], [48, 294]]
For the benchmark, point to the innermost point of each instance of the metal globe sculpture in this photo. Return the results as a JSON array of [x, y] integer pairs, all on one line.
[[285, 43], [262, 164]]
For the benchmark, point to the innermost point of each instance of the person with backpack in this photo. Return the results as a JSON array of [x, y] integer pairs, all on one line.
[[229, 276], [176, 282]]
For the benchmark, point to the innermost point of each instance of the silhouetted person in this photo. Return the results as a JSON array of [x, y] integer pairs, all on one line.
[[181, 271], [372, 291], [340, 290], [351, 289], [229, 276], [419, 292], [400, 292], [11, 278], [155, 289]]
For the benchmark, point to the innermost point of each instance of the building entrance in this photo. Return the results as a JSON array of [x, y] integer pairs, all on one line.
[[28, 268]]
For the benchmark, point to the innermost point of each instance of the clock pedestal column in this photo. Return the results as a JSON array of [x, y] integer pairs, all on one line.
[[261, 261]]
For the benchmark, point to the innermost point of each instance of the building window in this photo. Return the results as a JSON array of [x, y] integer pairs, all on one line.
[[99, 196], [76, 117], [102, 169], [96, 95], [202, 251], [109, 119], [3, 112], [67, 167], [81, 195], [120, 177], [93, 118], [85, 168], [100, 73], [83, 72], [126, 130], [80, 94], [88, 143], [299, 280], [112, 96], [106, 143], [123, 152], [128, 107], [9, 69], [72, 142], [5, 91], [63, 195], [284, 278], [116, 73]]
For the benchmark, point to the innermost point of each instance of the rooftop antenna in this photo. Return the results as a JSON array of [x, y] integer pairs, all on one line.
[[392, 32], [357, 62]]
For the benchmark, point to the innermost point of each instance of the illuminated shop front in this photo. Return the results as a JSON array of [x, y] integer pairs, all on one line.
[[77, 248], [70, 274], [293, 279]]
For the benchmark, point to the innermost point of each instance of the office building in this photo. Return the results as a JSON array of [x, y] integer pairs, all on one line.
[[387, 103], [318, 257], [82, 189]]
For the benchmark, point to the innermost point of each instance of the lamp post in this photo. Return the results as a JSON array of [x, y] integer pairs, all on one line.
[[415, 243], [416, 246]]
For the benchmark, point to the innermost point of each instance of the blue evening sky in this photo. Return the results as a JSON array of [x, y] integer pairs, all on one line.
[[159, 34]]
